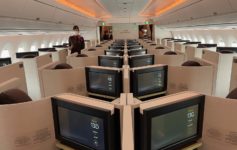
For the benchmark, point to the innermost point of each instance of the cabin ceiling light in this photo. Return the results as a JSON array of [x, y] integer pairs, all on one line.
[[87, 9], [159, 10]]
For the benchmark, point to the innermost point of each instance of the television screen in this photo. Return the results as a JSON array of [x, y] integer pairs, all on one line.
[[170, 127], [27, 54], [137, 52], [148, 82], [142, 60], [104, 82], [135, 47], [114, 52], [85, 127], [47, 50], [110, 61], [5, 61], [116, 47]]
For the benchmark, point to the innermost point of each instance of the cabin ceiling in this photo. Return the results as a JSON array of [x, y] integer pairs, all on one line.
[[51, 16], [125, 11]]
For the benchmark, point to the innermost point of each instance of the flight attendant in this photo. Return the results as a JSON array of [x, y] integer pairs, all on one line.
[[76, 41]]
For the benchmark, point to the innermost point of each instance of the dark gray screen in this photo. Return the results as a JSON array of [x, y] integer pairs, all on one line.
[[173, 127], [82, 128], [102, 82], [150, 81]]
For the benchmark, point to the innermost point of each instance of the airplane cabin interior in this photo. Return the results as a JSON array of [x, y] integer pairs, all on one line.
[[118, 74]]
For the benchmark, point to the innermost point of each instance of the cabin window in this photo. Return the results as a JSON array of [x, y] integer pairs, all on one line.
[[5, 53], [221, 43], [234, 44], [42, 45], [211, 41], [20, 49], [195, 39], [33, 48], [51, 44], [57, 43], [203, 41]]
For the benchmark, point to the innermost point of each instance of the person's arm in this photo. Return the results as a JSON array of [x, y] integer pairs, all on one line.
[[83, 43], [70, 42]]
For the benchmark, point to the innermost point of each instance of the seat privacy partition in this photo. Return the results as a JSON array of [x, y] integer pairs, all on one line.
[[192, 78], [53, 82], [14, 72], [31, 66], [223, 72]]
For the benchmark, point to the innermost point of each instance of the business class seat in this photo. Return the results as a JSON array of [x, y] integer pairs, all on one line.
[[13, 96]]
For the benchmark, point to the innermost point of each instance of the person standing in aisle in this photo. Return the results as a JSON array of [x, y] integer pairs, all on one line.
[[76, 41]]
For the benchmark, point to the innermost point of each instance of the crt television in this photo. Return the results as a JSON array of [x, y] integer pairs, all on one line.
[[5, 61], [86, 127], [104, 82], [137, 52], [114, 52], [141, 60], [110, 61], [148, 82], [161, 126], [27, 54]]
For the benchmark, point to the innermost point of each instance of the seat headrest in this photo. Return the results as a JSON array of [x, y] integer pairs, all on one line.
[[63, 66], [91, 49], [191, 63], [13, 96], [82, 55], [232, 94], [170, 53], [226, 52], [160, 47]]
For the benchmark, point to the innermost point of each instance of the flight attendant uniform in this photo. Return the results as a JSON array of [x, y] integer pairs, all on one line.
[[77, 43]]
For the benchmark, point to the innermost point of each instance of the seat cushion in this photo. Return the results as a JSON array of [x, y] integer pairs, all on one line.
[[232, 94], [170, 53], [82, 55], [92, 49], [13, 96], [191, 63], [160, 47], [63, 66]]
